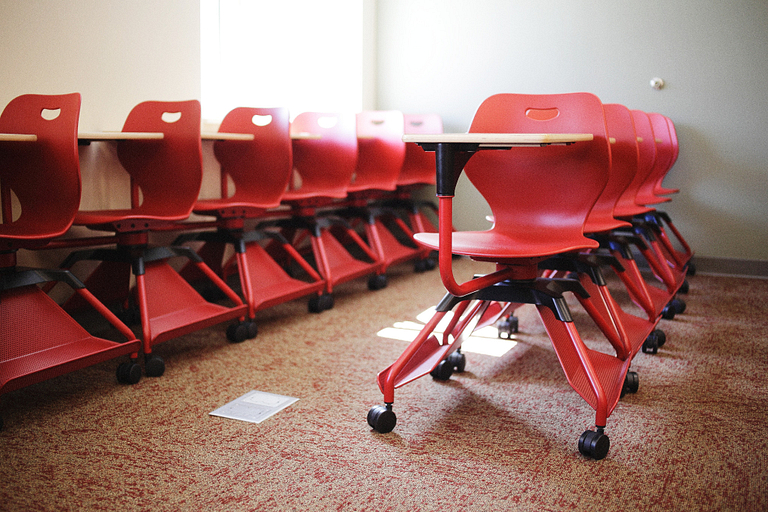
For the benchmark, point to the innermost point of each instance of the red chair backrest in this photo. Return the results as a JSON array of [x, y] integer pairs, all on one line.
[[419, 165], [43, 175], [325, 164], [624, 160], [541, 192], [646, 157], [663, 162], [380, 150], [259, 169], [169, 172], [673, 140]]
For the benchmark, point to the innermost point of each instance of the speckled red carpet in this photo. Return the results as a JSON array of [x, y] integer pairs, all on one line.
[[501, 436]]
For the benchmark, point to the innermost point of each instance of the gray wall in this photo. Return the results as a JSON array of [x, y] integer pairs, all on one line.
[[446, 56]]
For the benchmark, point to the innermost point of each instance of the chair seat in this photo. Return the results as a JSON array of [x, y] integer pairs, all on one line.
[[226, 208], [301, 195], [492, 244], [601, 226], [108, 217]]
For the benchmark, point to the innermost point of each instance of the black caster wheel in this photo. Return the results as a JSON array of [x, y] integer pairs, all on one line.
[[129, 315], [661, 337], [129, 373], [691, 270], [651, 344], [320, 303], [458, 361], [668, 313], [239, 332], [382, 419], [507, 327], [631, 383], [442, 371], [679, 306], [377, 282], [684, 288], [594, 444], [424, 265], [154, 366]]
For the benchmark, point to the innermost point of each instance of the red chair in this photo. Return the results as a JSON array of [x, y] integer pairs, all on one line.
[[259, 171], [540, 199], [324, 160], [381, 153], [40, 194], [626, 332], [166, 176], [654, 191], [644, 225]]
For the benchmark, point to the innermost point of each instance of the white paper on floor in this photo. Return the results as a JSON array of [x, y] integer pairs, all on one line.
[[254, 406]]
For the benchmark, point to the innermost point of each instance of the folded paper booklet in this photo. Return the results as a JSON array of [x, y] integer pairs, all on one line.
[[254, 406]]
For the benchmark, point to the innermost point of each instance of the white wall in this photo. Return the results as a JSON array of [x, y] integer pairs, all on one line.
[[116, 53], [446, 56]]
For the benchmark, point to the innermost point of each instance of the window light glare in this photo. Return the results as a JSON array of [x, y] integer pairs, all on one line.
[[261, 120]]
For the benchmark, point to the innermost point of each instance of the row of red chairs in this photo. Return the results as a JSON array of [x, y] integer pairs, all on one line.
[[562, 215], [304, 206]]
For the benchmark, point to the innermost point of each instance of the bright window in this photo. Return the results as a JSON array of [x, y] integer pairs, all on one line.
[[306, 55]]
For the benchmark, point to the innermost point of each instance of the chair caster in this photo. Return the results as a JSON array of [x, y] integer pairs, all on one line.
[[678, 305], [129, 373], [424, 265], [684, 288], [631, 383], [691, 270], [594, 444], [239, 332], [668, 313], [651, 343], [458, 361], [377, 282], [661, 337], [382, 419], [442, 371], [154, 366], [320, 303], [507, 326], [129, 315]]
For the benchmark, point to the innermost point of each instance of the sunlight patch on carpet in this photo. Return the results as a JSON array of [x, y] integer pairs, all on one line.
[[483, 341]]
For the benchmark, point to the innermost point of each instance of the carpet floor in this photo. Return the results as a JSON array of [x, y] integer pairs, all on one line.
[[500, 436]]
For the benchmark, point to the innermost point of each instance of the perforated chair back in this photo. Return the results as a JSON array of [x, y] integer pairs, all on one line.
[[380, 150], [259, 169], [44, 176], [540, 197], [324, 155], [624, 160], [419, 165]]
